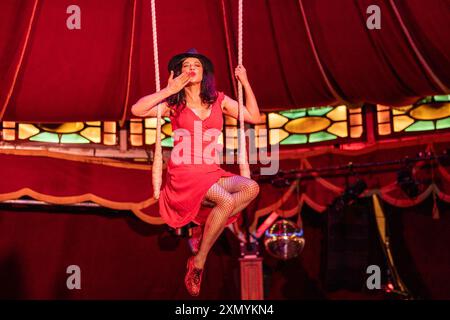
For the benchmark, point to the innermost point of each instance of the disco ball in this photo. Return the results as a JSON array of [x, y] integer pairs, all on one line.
[[284, 240]]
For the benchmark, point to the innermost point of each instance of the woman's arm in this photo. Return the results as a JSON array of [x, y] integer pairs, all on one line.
[[145, 106], [251, 111]]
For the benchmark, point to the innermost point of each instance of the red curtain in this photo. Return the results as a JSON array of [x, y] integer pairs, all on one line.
[[298, 53]]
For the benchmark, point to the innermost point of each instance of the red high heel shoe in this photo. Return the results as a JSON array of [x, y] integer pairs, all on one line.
[[195, 240], [193, 278]]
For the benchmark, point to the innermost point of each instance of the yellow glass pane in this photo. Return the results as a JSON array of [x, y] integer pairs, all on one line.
[[230, 121], [339, 129], [307, 125], [355, 119], [9, 124], [167, 129], [93, 134], [383, 116], [400, 110], [151, 122], [135, 127], [356, 132], [338, 113], [150, 136], [276, 135], [381, 107], [27, 130], [431, 111], [109, 126], [136, 140], [93, 123], [9, 134], [68, 127], [402, 122], [276, 120], [384, 129], [109, 139], [220, 139]]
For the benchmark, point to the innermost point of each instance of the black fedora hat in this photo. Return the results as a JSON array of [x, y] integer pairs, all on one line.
[[191, 53]]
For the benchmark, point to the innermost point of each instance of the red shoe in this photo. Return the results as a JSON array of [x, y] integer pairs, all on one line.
[[193, 278], [195, 240]]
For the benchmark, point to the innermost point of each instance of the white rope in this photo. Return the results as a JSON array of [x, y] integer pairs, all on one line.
[[242, 152], [157, 158]]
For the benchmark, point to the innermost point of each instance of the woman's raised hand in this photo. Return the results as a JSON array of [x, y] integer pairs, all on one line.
[[241, 74], [174, 85]]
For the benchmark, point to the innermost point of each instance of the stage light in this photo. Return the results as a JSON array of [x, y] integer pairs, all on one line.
[[351, 193]]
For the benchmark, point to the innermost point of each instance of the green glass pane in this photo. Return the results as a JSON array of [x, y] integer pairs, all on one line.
[[443, 123], [73, 138], [424, 100], [319, 111], [293, 114], [167, 119], [46, 137], [167, 142], [421, 126], [321, 136], [295, 139], [443, 98]]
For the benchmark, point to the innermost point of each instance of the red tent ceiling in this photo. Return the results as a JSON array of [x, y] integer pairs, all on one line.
[[298, 53]]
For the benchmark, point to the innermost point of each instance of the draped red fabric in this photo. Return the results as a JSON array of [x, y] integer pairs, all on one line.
[[113, 185], [298, 53]]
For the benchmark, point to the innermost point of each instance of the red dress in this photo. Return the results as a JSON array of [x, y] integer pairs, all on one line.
[[186, 184]]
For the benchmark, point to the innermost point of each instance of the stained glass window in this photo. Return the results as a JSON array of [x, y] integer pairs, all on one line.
[[314, 125], [62, 133], [428, 114]]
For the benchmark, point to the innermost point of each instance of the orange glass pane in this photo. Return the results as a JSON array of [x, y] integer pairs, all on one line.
[[167, 129], [307, 125], [356, 132], [355, 119], [381, 107], [109, 126], [383, 116], [109, 139], [9, 124], [135, 127], [431, 111], [354, 110], [9, 134], [384, 129], [136, 140]]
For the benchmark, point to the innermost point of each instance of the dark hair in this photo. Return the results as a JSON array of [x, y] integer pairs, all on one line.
[[208, 92]]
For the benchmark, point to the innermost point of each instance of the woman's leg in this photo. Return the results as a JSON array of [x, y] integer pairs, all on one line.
[[215, 223], [242, 189]]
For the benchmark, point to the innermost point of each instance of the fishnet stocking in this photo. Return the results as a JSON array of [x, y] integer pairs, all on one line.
[[230, 195]]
